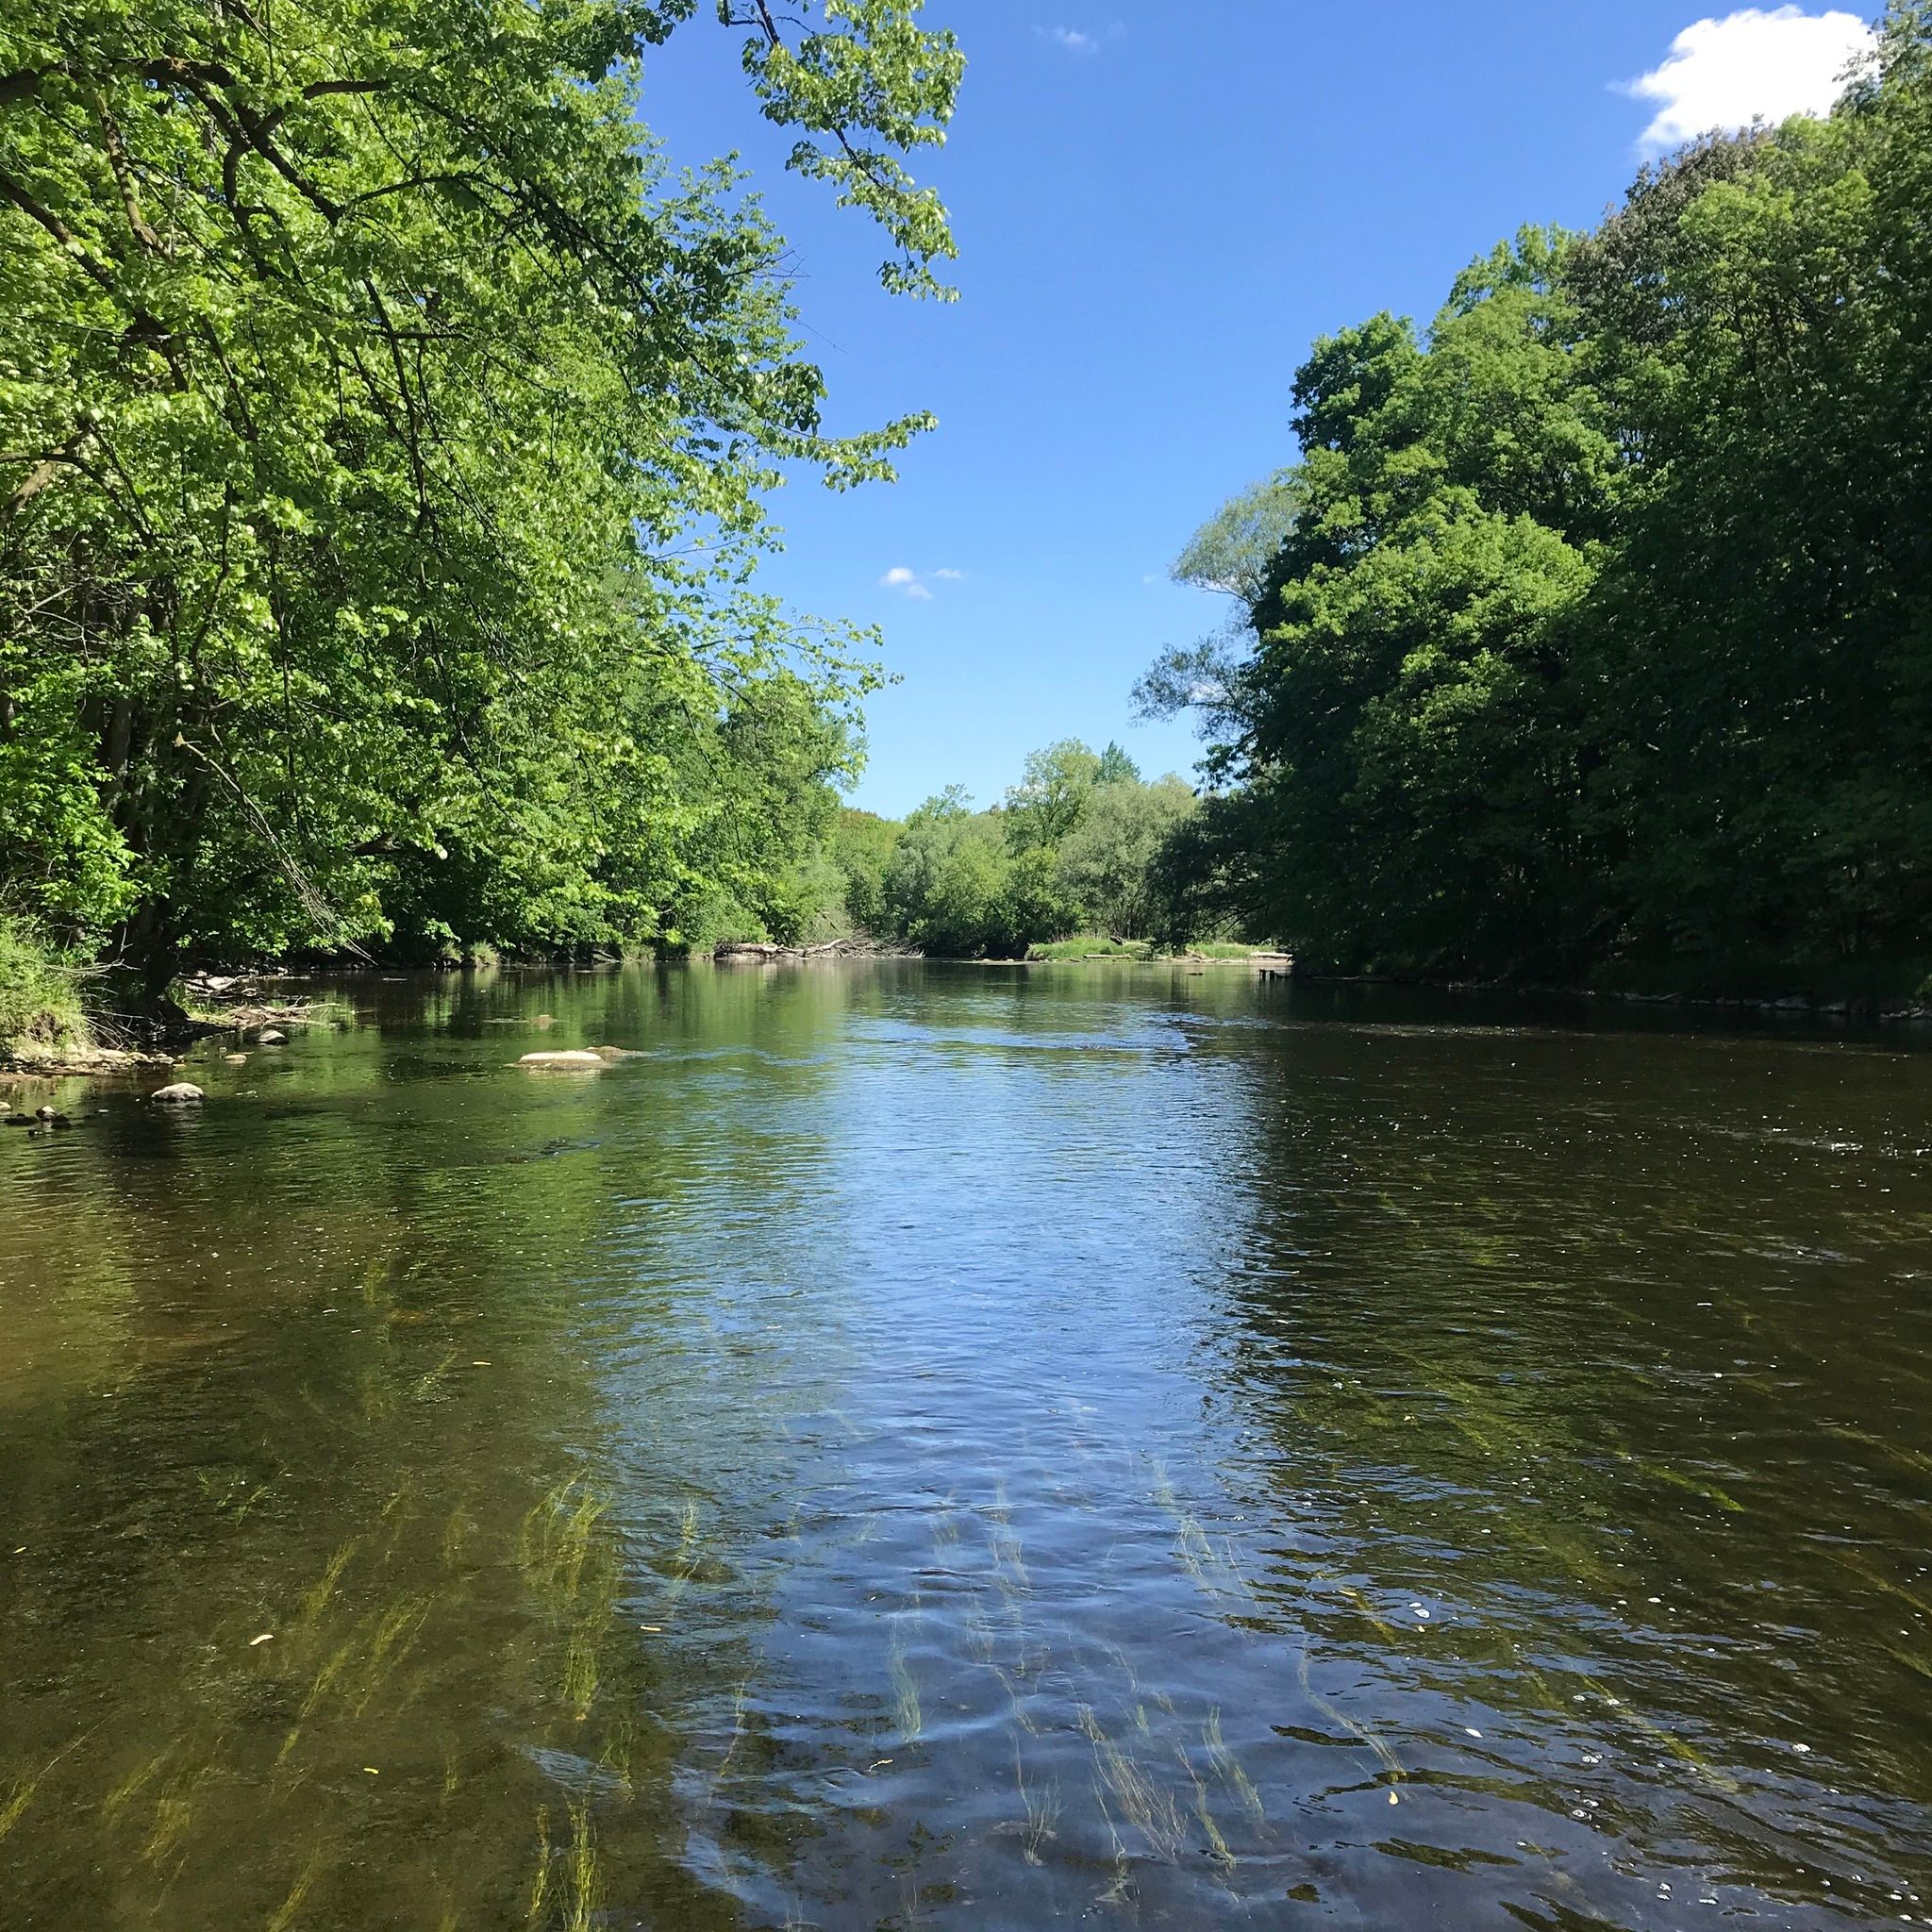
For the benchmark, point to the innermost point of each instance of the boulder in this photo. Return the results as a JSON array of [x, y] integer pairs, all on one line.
[[574, 1057], [181, 1093], [269, 1036]]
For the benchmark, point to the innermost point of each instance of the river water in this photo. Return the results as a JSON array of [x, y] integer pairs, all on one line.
[[976, 1448]]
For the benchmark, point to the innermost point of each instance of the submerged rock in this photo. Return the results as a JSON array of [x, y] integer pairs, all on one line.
[[620, 1052], [17, 1119], [269, 1036], [181, 1093], [572, 1058]]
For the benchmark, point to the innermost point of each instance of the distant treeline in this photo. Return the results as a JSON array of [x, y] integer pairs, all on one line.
[[1072, 848], [1592, 631]]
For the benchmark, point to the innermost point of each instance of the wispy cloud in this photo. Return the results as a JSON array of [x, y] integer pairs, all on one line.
[[1755, 64], [912, 584], [1080, 40]]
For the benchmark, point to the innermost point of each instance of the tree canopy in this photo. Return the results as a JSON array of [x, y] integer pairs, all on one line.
[[1597, 620], [1069, 849], [384, 423]]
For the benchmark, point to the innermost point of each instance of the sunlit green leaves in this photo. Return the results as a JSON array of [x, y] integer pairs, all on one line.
[[384, 430]]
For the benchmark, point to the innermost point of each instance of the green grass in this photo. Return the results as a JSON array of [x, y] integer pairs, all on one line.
[[1083, 944], [40, 995]]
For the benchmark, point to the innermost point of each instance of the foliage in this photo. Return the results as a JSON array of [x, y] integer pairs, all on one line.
[[1599, 627], [39, 993], [1103, 864], [1067, 851], [1048, 803], [956, 885], [861, 849], [1090, 945], [384, 426]]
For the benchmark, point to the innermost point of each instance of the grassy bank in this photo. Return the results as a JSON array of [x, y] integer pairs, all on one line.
[[40, 1009]]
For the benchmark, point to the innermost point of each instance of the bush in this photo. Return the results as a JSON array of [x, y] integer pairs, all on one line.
[[39, 993]]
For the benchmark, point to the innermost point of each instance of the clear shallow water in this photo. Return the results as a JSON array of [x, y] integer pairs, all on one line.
[[934, 1447]]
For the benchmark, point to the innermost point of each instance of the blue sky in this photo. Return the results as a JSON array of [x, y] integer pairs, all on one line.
[[1158, 207]]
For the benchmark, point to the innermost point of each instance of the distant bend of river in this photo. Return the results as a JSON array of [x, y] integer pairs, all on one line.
[[971, 1448]]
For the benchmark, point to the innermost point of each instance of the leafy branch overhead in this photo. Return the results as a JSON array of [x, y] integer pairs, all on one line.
[[879, 83]]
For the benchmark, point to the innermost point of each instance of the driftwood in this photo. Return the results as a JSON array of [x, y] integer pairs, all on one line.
[[764, 952]]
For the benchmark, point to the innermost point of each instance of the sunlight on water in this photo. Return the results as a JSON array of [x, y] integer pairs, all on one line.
[[926, 1448]]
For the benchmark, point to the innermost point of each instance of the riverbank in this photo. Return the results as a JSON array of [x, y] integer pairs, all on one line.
[[50, 1030]]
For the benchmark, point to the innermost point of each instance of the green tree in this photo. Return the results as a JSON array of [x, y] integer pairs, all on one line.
[[863, 846], [384, 426], [1103, 866], [1046, 804], [1595, 634]]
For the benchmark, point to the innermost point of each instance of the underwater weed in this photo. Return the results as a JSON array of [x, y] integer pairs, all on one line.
[[1150, 1812], [290, 1909], [315, 1598], [1043, 1810], [1229, 1770], [1217, 1846], [905, 1690], [585, 1879], [540, 1884]]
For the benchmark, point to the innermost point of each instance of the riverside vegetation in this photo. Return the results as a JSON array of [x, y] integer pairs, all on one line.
[[385, 428], [1591, 633]]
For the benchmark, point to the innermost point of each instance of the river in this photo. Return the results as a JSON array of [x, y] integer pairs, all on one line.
[[944, 1447]]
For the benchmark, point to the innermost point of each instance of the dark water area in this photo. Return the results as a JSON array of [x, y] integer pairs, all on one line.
[[981, 1449]]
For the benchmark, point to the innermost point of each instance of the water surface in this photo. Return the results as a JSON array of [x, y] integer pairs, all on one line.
[[971, 1448]]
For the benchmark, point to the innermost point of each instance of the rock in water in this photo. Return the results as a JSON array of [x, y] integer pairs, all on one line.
[[181, 1094], [270, 1037], [573, 1059]]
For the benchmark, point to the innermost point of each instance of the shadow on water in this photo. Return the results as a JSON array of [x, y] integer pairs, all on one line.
[[962, 1447]]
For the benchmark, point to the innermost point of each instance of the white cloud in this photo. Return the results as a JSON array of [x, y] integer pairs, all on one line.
[[1750, 65], [1080, 40], [911, 583]]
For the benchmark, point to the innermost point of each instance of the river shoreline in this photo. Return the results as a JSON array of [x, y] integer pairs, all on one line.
[[168, 1037]]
